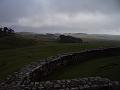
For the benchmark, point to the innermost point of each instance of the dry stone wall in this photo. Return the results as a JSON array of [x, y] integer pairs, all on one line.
[[89, 83], [34, 75]]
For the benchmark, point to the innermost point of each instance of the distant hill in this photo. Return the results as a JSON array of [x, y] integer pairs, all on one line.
[[94, 37], [69, 39], [85, 37], [42, 37]]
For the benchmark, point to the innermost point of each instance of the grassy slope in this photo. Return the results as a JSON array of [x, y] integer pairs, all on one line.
[[105, 67], [13, 58], [12, 42]]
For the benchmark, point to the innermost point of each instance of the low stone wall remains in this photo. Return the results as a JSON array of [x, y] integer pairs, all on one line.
[[34, 75]]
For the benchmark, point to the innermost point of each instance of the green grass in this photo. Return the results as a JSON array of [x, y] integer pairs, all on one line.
[[14, 57], [104, 67], [12, 42]]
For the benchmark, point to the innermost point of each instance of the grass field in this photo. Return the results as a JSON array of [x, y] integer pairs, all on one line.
[[12, 42], [12, 59], [104, 67]]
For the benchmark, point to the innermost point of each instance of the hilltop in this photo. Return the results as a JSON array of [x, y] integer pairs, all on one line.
[[95, 37]]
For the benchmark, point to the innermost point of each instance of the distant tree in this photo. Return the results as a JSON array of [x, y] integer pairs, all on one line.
[[69, 39], [0, 29], [5, 31], [10, 30]]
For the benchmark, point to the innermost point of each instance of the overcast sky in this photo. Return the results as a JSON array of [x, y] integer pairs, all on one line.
[[55, 16]]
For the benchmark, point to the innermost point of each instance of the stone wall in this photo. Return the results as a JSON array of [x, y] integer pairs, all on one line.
[[45, 68], [89, 83], [34, 75]]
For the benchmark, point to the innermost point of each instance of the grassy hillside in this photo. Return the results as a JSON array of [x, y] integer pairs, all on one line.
[[16, 52], [11, 42], [13, 59], [105, 67], [95, 37], [42, 37]]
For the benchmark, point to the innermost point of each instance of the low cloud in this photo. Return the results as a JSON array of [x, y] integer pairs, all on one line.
[[89, 16]]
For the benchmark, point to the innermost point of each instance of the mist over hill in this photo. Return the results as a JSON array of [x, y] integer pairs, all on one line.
[[42, 37], [95, 36], [84, 36]]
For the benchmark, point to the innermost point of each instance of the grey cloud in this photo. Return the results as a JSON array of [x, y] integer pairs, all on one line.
[[11, 10], [105, 6], [50, 15]]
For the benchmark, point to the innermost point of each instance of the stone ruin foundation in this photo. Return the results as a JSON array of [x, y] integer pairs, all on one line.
[[34, 76]]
